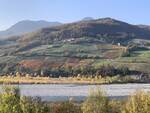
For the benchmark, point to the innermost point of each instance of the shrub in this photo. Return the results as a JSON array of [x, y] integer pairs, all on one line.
[[65, 107], [123, 70], [96, 102], [115, 106], [106, 70], [138, 103], [125, 53], [12, 102], [33, 105]]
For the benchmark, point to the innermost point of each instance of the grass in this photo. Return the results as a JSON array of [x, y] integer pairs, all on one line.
[[79, 50], [138, 61], [69, 80], [145, 54]]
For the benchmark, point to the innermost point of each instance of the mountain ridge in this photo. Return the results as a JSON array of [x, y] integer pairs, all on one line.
[[26, 26], [108, 29]]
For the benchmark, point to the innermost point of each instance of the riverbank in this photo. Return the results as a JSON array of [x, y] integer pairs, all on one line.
[[67, 80]]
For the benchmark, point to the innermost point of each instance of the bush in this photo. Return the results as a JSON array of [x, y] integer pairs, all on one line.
[[33, 105], [106, 70], [65, 107], [115, 106], [125, 53], [138, 103], [123, 70], [12, 102], [97, 102]]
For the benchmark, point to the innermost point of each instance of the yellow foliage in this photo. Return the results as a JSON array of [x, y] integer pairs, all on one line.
[[138, 103]]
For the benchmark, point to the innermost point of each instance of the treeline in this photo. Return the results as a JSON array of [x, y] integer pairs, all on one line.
[[103, 71], [97, 102]]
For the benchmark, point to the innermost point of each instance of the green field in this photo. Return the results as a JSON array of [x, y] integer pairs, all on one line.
[[75, 55]]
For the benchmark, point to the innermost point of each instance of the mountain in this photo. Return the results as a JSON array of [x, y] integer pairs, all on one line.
[[76, 45], [147, 27], [87, 19], [106, 29], [25, 27]]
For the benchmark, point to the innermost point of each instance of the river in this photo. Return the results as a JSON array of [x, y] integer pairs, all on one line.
[[61, 92]]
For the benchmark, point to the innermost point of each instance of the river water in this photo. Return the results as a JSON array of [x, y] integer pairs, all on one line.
[[61, 92]]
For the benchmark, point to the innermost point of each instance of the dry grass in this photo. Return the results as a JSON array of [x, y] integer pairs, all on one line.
[[42, 80], [65, 80]]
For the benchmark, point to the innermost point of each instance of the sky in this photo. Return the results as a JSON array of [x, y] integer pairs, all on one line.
[[65, 11]]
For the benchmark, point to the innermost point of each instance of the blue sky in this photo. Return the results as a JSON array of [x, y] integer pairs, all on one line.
[[132, 11]]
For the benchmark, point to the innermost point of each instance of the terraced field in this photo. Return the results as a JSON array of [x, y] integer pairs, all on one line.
[[74, 54]]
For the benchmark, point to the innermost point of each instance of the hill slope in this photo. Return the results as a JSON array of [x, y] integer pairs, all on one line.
[[106, 29], [26, 26]]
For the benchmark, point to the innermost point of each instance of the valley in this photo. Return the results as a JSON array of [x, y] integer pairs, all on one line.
[[74, 56]]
